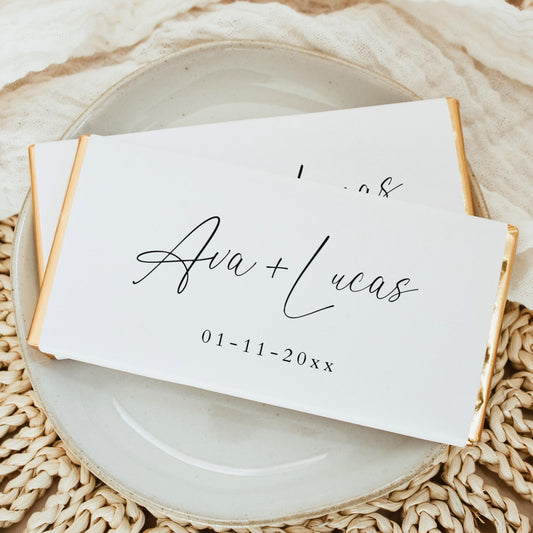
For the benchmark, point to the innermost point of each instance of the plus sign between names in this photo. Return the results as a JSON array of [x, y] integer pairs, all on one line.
[[277, 267]]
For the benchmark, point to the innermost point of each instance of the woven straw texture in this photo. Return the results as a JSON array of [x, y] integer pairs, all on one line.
[[453, 496]]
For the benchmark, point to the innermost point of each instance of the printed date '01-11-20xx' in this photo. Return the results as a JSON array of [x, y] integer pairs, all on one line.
[[250, 347]]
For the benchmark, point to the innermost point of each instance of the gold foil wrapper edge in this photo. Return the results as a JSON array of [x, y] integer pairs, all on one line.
[[494, 334], [34, 335]]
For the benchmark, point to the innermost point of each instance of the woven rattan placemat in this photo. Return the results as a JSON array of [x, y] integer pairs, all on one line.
[[484, 487]]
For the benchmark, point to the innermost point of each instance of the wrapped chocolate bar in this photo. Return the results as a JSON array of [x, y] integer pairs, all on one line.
[[290, 292]]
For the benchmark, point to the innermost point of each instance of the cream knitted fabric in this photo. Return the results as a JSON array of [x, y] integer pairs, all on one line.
[[57, 57]]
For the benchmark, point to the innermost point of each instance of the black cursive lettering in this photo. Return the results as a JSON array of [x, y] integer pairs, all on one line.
[[160, 257], [376, 286], [235, 262], [386, 182], [304, 270]]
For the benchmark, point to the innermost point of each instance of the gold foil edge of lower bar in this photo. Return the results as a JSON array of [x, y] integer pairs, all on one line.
[[36, 214], [34, 335], [455, 116], [494, 334]]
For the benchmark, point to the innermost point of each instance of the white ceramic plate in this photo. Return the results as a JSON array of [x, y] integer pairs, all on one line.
[[193, 454]]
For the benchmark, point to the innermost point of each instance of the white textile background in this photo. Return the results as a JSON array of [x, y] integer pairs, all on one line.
[[57, 57]]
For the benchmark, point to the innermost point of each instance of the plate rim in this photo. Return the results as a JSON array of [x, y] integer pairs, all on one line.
[[252, 43], [431, 459]]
